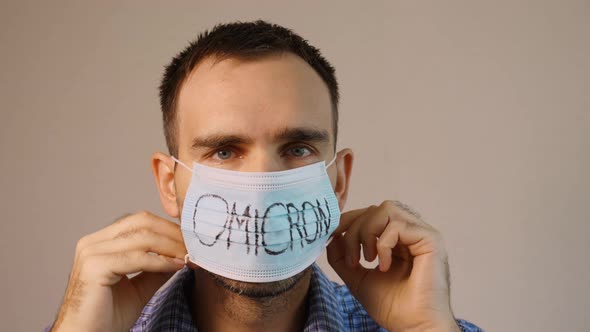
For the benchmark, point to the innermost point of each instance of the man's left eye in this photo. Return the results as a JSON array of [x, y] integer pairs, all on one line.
[[299, 151]]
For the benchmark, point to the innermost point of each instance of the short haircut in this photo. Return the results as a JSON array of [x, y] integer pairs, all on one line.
[[242, 40]]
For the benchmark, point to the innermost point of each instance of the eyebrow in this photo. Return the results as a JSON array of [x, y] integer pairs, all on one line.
[[305, 134], [220, 140]]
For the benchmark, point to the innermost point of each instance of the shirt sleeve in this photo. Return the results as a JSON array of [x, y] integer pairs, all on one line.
[[466, 326]]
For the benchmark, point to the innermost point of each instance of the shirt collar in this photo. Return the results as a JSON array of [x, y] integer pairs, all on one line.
[[323, 304]]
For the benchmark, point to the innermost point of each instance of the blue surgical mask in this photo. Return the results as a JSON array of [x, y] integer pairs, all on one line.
[[258, 226]]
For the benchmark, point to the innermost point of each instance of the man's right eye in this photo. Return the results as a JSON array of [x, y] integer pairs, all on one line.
[[223, 154]]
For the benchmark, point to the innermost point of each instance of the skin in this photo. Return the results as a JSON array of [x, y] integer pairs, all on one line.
[[264, 105]]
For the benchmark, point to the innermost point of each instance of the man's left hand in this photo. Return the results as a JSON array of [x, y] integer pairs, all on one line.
[[409, 291]]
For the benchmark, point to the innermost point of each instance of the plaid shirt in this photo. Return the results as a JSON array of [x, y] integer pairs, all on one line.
[[331, 308]]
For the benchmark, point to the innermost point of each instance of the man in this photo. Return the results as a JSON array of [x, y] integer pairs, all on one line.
[[255, 97]]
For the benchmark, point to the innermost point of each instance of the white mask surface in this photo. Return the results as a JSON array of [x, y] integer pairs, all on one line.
[[258, 226]]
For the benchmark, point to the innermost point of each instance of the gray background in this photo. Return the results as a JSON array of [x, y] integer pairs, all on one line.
[[474, 113]]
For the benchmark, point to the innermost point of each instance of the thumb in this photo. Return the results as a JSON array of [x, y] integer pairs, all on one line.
[[352, 276]]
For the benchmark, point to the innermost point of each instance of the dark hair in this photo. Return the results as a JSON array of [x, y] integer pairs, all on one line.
[[240, 40]]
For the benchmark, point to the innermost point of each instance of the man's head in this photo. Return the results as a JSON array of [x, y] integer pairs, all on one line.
[[244, 41], [248, 97]]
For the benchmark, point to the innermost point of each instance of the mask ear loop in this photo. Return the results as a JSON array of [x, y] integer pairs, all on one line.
[[186, 257], [329, 240], [181, 163], [328, 165], [332, 161]]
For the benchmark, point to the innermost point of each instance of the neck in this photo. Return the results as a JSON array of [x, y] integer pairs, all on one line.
[[216, 308]]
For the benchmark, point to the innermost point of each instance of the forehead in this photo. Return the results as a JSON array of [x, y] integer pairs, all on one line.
[[253, 97]]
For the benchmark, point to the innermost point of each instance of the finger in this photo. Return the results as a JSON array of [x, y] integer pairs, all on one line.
[[387, 241], [347, 219], [378, 217], [103, 233], [140, 239], [145, 220], [108, 269], [417, 239], [369, 244], [142, 219], [336, 252], [352, 240], [131, 222]]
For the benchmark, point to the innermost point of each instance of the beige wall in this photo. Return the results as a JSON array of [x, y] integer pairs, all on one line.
[[474, 113]]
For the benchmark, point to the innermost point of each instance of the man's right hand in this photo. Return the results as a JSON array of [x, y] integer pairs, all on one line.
[[99, 296]]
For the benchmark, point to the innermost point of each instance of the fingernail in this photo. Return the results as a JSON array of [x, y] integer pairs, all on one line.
[[178, 261]]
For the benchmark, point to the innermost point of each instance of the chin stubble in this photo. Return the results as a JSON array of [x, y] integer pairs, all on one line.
[[257, 290]]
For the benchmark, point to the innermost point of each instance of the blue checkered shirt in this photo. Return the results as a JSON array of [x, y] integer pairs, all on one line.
[[331, 307]]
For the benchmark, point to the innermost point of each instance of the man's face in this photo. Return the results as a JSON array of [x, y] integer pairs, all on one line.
[[265, 114]]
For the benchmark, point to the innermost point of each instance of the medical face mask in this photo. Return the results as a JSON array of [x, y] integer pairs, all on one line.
[[258, 226]]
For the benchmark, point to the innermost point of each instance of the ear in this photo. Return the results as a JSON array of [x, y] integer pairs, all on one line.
[[163, 169], [343, 165]]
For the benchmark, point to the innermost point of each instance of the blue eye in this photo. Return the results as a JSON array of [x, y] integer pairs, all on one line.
[[223, 154], [300, 151]]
